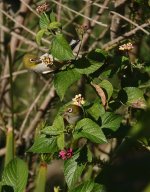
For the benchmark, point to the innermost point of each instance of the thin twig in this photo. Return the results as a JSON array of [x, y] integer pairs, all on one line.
[[23, 39], [96, 4], [77, 13], [115, 42], [14, 74], [59, 11], [40, 113], [135, 24], [30, 8], [22, 26], [32, 107]]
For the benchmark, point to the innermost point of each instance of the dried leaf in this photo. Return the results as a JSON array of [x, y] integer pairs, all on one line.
[[101, 93]]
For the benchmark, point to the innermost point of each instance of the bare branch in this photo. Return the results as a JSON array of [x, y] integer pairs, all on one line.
[[115, 42]]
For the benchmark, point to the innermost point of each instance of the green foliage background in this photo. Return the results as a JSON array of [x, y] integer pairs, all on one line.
[[114, 83]]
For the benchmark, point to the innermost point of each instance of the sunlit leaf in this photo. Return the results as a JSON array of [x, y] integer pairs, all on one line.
[[111, 121], [135, 97], [43, 144], [72, 171], [56, 129], [90, 130], [44, 21], [61, 49], [105, 84], [39, 36], [63, 80], [15, 174]]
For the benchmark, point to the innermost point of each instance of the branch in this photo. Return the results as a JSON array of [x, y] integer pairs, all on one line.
[[40, 113], [115, 42], [32, 107], [77, 13], [130, 21]]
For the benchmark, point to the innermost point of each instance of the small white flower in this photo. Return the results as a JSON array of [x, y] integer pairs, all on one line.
[[47, 59], [78, 100]]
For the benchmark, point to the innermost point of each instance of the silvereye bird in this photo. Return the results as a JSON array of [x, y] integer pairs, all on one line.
[[73, 114], [43, 64]]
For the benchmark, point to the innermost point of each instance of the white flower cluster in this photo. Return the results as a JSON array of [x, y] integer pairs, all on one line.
[[126, 47], [47, 59], [78, 100]]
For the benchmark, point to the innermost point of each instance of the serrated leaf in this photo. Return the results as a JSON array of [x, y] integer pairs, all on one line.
[[54, 25], [15, 174], [98, 55], [98, 188], [72, 170], [96, 110], [39, 36], [44, 144], [90, 130], [135, 97], [52, 17], [105, 84], [63, 80], [61, 141], [61, 49], [111, 121], [86, 66], [88, 186], [44, 21], [57, 127]]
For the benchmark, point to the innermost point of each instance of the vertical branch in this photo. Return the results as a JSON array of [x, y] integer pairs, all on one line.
[[116, 21], [59, 7]]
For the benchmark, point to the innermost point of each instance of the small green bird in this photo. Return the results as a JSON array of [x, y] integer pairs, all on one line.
[[43, 64], [73, 114]]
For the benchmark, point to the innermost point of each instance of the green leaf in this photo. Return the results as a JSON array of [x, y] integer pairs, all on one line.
[[44, 144], [56, 129], [63, 80], [52, 17], [39, 36], [54, 25], [44, 21], [15, 174], [96, 110], [98, 188], [111, 121], [90, 130], [88, 186], [61, 49], [61, 141], [72, 170], [86, 66], [98, 55], [135, 97], [105, 84]]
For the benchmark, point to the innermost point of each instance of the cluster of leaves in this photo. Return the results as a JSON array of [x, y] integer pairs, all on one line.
[[109, 79]]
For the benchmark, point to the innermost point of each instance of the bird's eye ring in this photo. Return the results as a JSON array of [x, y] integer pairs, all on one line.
[[70, 110], [35, 60], [32, 60]]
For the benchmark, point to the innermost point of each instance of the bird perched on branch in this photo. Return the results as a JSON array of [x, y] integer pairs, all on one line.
[[74, 112], [43, 64]]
